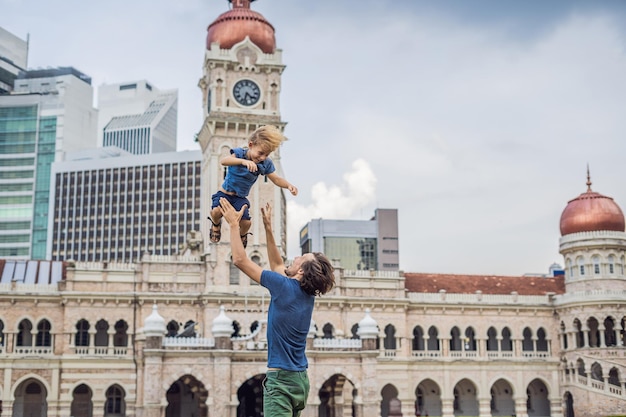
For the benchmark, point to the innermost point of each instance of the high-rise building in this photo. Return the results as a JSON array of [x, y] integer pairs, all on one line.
[[13, 59], [360, 244], [111, 206], [49, 112], [137, 117]]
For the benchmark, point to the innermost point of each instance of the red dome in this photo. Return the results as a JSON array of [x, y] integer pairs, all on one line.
[[591, 212], [233, 26]]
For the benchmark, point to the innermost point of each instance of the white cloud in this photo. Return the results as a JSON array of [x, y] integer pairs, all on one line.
[[343, 201]]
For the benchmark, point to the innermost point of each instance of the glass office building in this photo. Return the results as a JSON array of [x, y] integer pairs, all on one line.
[[30, 141]]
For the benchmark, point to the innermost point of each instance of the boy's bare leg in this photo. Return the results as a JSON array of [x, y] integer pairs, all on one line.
[[216, 224], [244, 226]]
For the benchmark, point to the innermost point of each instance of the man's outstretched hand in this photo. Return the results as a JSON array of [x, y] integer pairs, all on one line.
[[266, 212], [231, 215]]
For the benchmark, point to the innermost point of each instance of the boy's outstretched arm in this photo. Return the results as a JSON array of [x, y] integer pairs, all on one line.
[[276, 261], [240, 257], [283, 183]]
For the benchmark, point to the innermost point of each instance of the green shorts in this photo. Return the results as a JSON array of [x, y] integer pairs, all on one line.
[[285, 393]]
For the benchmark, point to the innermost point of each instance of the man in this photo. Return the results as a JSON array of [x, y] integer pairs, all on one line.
[[293, 290]]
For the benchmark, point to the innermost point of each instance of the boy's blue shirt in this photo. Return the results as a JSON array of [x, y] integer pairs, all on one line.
[[239, 180]]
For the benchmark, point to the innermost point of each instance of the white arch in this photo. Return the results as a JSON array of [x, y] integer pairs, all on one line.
[[26, 377]]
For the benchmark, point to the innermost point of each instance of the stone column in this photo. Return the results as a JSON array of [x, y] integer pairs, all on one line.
[[601, 330], [586, 337], [445, 346], [370, 394], [484, 407], [481, 347], [92, 340], [520, 407], [447, 407], [556, 407]]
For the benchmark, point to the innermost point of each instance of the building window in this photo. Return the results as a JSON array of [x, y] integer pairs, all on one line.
[[82, 333], [114, 405], [121, 337], [596, 264], [43, 333]]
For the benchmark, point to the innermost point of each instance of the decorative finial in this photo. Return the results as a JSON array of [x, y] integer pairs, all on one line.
[[588, 179], [237, 4]]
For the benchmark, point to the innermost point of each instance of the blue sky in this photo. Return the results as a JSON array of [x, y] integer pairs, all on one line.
[[476, 120]]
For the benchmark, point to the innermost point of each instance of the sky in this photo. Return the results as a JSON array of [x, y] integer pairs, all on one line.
[[475, 119]]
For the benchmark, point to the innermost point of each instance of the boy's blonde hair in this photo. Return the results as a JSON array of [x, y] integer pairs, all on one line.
[[268, 136]]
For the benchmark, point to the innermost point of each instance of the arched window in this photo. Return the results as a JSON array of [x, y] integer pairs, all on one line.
[[82, 333], [492, 341], [506, 343], [527, 343], [43, 334], [328, 331], [620, 266], [1, 333], [455, 339], [611, 261], [418, 338], [433, 338], [581, 266], [470, 339], [24, 333], [596, 372], [114, 405], [564, 336], [542, 343], [81, 402], [172, 328], [595, 260], [609, 332], [102, 333], [390, 337], [580, 367], [614, 377], [580, 337], [594, 333], [121, 337]]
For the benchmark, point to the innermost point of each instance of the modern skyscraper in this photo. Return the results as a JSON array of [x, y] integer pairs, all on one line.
[[112, 206], [13, 59], [360, 244], [50, 111], [137, 117]]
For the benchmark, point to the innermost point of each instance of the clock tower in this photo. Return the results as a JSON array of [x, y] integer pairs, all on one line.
[[240, 92]]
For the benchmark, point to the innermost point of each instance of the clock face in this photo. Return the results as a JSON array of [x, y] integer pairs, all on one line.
[[246, 92]]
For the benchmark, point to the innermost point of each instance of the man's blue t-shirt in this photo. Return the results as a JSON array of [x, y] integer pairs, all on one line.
[[288, 322], [239, 180]]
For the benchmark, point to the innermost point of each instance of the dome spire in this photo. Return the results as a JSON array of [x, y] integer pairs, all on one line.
[[240, 4], [588, 179]]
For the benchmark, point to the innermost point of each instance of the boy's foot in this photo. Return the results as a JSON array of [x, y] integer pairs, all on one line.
[[215, 234], [244, 239]]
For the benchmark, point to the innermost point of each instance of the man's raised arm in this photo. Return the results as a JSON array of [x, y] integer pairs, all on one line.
[[276, 261]]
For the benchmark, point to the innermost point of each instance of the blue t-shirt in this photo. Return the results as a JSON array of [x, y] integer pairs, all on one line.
[[239, 180], [288, 322]]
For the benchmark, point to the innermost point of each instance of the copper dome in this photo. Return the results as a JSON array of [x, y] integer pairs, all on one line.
[[590, 212], [233, 26]]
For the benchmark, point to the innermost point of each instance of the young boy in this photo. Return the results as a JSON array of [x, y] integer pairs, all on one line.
[[244, 167]]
